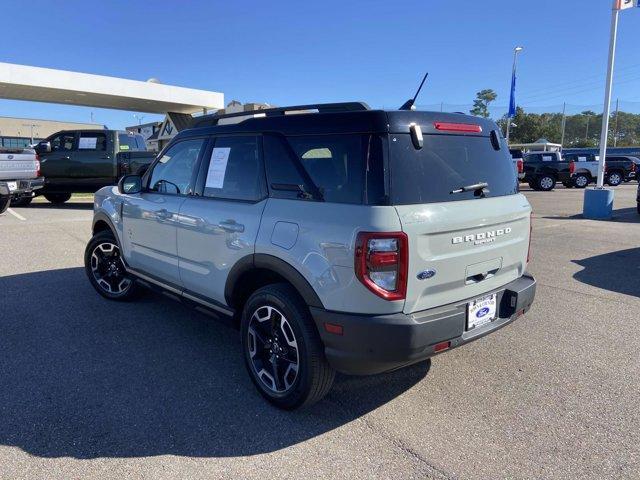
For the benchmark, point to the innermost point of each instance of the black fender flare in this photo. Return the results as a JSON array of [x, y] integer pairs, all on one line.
[[276, 265], [103, 217]]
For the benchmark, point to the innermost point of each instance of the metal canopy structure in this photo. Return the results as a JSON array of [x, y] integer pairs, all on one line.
[[36, 84]]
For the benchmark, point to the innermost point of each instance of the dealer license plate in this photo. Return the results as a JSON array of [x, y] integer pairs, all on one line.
[[481, 311]]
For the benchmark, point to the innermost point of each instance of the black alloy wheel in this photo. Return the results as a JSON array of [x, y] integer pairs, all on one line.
[[105, 268]]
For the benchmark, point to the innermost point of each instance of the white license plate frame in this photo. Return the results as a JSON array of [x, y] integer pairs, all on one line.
[[482, 311]]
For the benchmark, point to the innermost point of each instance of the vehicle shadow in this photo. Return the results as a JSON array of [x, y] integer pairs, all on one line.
[[84, 377], [621, 215], [615, 271], [75, 205]]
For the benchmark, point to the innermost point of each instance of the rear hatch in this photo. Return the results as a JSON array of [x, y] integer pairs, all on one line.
[[465, 244]]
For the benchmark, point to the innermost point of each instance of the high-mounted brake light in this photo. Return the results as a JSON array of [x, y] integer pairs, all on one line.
[[382, 263], [458, 127]]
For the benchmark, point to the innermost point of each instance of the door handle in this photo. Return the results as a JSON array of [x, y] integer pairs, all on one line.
[[231, 226], [163, 214]]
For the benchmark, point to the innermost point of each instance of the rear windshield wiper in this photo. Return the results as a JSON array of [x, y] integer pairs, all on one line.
[[476, 188]]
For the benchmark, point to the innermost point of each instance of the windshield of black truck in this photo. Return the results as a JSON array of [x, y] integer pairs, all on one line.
[[446, 164]]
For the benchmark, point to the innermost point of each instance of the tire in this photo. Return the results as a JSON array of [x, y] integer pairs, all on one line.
[[105, 269], [21, 202], [614, 179], [581, 180], [278, 334], [546, 183], [57, 198], [4, 203], [532, 185]]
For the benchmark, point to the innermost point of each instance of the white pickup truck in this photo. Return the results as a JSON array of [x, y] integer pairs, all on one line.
[[19, 176]]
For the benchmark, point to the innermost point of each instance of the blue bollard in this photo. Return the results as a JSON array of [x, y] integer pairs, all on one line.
[[598, 203]]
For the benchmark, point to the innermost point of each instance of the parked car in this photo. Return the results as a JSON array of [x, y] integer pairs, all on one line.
[[19, 175], [542, 170], [331, 250], [518, 162], [87, 160], [638, 198], [618, 168]]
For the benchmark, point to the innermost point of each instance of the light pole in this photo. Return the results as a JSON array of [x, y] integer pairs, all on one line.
[[139, 118], [512, 101]]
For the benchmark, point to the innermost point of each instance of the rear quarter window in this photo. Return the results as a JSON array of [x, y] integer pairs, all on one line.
[[447, 163]]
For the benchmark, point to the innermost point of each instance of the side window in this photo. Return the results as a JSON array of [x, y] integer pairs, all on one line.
[[92, 141], [234, 171], [335, 163], [129, 142], [281, 167], [172, 173], [63, 142]]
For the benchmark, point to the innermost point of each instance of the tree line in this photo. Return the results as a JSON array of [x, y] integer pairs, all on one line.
[[581, 130]]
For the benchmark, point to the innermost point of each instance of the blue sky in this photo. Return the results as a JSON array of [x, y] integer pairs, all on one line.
[[289, 52]]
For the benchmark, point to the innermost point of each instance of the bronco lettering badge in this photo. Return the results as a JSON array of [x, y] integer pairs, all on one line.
[[482, 238]]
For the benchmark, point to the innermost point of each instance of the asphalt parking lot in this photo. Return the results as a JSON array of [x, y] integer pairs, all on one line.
[[91, 388]]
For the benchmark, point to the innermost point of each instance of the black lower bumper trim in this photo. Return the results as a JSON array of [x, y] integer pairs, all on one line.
[[373, 344]]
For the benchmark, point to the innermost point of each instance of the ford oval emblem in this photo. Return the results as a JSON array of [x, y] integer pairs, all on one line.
[[10, 157], [426, 274], [482, 312]]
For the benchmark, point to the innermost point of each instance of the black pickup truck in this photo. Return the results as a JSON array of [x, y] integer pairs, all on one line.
[[79, 161], [542, 170]]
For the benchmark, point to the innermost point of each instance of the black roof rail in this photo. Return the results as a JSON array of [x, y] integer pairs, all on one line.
[[210, 120]]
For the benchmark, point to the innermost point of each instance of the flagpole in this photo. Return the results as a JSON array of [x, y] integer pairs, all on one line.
[[604, 135], [516, 50]]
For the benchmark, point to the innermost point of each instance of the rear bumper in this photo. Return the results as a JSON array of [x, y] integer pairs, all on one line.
[[378, 343], [24, 186]]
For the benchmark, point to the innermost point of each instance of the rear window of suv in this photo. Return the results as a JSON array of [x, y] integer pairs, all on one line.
[[447, 163]]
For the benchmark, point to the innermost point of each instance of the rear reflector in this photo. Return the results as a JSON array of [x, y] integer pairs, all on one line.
[[333, 328], [458, 127], [441, 346]]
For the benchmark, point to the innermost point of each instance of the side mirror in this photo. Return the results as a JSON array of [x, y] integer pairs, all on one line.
[[130, 184], [43, 147]]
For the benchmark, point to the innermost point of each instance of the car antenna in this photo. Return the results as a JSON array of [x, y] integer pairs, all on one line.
[[409, 104]]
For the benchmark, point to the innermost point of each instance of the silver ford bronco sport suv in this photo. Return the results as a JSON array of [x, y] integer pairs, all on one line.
[[339, 238]]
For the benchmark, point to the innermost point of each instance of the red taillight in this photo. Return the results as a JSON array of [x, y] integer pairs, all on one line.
[[382, 262], [520, 166], [458, 127], [37, 166], [530, 234], [572, 167], [633, 167]]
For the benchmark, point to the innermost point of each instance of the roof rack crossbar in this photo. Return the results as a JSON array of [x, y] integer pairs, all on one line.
[[278, 111]]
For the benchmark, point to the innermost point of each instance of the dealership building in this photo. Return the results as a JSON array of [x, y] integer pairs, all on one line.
[[22, 132]]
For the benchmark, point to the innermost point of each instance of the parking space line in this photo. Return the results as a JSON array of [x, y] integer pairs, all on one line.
[[17, 215]]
